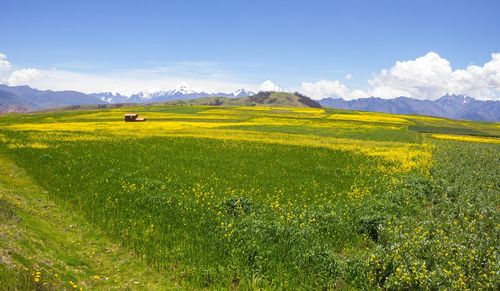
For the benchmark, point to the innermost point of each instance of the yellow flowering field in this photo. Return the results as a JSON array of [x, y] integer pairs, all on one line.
[[276, 198], [467, 138]]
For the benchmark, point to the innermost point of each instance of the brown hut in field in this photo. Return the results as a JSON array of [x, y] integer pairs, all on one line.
[[133, 117]]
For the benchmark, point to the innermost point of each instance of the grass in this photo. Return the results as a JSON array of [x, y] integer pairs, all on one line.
[[45, 247], [260, 197]]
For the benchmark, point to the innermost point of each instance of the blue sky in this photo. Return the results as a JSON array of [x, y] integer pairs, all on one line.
[[222, 45]]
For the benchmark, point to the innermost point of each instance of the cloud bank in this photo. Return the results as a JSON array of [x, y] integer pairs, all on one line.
[[325, 88], [269, 85], [4, 63], [427, 77], [26, 76], [4, 67], [125, 82]]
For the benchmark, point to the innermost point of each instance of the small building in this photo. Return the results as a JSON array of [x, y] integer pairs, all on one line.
[[133, 117]]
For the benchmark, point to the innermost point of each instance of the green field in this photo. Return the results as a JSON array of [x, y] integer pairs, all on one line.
[[201, 197]]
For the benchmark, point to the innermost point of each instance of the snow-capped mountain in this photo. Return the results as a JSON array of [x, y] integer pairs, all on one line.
[[182, 89], [242, 93], [181, 92], [455, 99]]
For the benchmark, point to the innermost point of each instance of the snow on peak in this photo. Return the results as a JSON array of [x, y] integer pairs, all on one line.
[[181, 91], [144, 95], [242, 93], [456, 98], [183, 88]]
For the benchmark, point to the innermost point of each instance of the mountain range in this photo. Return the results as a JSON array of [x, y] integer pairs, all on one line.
[[180, 93], [448, 106], [26, 99]]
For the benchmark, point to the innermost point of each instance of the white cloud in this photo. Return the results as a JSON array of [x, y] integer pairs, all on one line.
[[348, 77], [356, 94], [324, 88], [426, 77], [203, 76], [431, 76], [4, 68], [480, 82], [4, 63], [26, 76], [269, 85]]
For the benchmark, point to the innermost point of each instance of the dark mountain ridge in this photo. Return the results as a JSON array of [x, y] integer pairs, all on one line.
[[449, 106], [10, 102], [35, 99]]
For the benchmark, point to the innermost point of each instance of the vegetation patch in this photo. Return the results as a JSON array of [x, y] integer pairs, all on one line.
[[447, 130], [45, 247]]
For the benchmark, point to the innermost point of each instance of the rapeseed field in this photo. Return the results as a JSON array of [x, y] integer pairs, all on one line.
[[276, 198]]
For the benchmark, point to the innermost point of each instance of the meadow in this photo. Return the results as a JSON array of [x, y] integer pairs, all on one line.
[[266, 198]]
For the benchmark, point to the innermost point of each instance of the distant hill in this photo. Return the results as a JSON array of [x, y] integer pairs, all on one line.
[[449, 106], [278, 99], [33, 99], [12, 103]]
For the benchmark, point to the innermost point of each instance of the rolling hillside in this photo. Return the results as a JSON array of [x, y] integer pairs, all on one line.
[[278, 99]]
